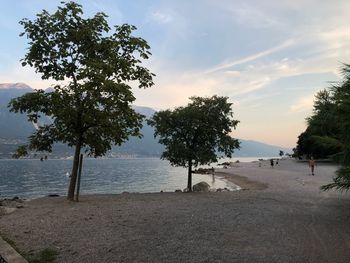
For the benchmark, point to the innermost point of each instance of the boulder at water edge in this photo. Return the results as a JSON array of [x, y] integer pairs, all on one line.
[[201, 187]]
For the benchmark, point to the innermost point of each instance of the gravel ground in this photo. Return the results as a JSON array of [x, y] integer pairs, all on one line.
[[281, 217]]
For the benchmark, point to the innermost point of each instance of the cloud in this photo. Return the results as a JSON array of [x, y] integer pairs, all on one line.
[[25, 75], [234, 73], [106, 7], [302, 104], [251, 16], [161, 17], [253, 75], [250, 58], [174, 91]]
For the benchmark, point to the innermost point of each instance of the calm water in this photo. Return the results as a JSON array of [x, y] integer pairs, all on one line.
[[33, 178]]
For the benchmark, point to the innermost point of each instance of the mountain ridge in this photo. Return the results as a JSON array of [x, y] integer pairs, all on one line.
[[14, 129]]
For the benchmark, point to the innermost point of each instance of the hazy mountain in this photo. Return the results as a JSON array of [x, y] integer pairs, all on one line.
[[250, 148], [14, 129], [13, 126]]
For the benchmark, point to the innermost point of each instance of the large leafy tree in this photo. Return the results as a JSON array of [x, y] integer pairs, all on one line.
[[341, 93], [321, 139], [94, 67], [196, 134], [323, 120]]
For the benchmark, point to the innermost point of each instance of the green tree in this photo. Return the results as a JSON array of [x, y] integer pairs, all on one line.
[[321, 139], [195, 135], [342, 113], [323, 121], [94, 67]]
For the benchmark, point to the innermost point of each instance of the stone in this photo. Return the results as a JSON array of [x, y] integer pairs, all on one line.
[[53, 195], [19, 206], [223, 190], [201, 187], [178, 191]]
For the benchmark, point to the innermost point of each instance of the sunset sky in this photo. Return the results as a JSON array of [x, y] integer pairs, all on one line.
[[269, 57]]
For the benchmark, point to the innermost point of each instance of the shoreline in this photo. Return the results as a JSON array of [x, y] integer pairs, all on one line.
[[224, 183], [233, 181], [242, 182], [288, 221], [110, 176]]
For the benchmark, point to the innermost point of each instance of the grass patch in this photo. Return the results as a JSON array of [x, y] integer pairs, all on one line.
[[47, 255], [11, 243]]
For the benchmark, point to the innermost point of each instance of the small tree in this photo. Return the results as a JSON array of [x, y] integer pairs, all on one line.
[[92, 109], [195, 135]]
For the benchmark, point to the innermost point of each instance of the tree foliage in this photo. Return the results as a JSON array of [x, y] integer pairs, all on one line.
[[342, 97], [341, 181], [328, 131], [321, 139], [196, 134], [94, 67]]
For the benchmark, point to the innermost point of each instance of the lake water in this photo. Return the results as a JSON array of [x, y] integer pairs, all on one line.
[[33, 178]]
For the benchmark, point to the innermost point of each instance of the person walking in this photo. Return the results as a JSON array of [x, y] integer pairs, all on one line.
[[312, 164], [271, 163]]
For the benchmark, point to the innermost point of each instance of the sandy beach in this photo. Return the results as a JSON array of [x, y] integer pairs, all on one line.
[[280, 215]]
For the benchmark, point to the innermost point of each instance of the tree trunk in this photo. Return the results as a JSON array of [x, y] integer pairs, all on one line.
[[73, 178], [189, 180], [79, 177]]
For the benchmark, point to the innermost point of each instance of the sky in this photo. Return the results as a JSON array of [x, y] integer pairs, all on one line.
[[269, 57]]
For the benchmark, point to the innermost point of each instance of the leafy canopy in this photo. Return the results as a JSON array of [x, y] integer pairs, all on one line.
[[321, 139], [329, 129], [94, 67], [195, 134]]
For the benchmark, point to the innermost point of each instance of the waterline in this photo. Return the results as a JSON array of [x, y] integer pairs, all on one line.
[[33, 178]]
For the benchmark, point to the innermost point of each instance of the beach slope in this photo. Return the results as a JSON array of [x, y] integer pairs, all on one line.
[[282, 216]]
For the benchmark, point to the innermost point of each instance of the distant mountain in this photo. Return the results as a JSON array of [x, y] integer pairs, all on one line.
[[146, 111], [15, 86], [13, 126], [250, 148], [14, 129]]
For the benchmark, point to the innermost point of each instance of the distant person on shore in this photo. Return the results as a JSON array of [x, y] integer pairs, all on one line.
[[277, 162], [312, 164], [272, 163]]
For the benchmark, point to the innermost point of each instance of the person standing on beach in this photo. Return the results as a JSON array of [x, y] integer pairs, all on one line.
[[312, 164], [272, 163]]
